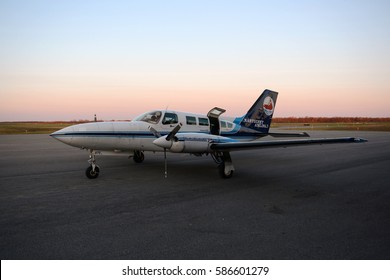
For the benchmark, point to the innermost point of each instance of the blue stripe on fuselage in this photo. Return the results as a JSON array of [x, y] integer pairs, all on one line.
[[232, 135]]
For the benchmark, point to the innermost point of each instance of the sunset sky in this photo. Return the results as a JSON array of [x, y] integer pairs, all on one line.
[[69, 60]]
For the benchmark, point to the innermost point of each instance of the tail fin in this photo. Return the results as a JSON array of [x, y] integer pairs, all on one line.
[[259, 116]]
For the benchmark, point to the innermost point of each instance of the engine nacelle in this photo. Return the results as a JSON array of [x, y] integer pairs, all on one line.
[[177, 147], [197, 146], [191, 143]]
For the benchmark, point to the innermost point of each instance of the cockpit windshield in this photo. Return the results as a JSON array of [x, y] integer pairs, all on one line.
[[150, 117]]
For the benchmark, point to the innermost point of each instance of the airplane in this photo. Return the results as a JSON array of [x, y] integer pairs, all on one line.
[[180, 132]]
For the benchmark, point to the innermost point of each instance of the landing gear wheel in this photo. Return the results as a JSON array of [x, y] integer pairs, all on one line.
[[92, 174], [138, 156], [224, 174]]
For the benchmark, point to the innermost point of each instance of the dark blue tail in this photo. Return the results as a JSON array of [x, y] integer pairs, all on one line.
[[259, 116]]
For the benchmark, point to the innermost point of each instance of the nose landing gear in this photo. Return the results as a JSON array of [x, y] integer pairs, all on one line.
[[92, 172]]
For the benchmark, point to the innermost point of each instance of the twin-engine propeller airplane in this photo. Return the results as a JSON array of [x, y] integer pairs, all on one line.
[[158, 131]]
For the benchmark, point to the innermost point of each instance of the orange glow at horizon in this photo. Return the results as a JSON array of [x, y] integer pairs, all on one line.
[[124, 104]]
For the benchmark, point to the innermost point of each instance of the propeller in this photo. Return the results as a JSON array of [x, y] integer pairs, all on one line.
[[165, 142], [155, 132], [165, 164], [173, 132]]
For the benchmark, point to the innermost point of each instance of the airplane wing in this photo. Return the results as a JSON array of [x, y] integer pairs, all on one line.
[[234, 146]]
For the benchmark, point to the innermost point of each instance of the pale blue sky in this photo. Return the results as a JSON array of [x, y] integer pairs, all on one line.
[[71, 59]]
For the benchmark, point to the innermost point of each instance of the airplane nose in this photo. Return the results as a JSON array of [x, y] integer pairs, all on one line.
[[162, 142], [64, 135]]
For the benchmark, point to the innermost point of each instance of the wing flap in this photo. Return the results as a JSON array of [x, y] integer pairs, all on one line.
[[233, 146]]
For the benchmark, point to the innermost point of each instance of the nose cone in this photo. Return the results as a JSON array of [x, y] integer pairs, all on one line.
[[64, 135], [163, 143]]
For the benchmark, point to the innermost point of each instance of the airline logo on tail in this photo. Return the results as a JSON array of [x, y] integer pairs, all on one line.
[[268, 106]]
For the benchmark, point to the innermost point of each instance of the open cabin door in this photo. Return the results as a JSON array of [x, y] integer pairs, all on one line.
[[213, 116]]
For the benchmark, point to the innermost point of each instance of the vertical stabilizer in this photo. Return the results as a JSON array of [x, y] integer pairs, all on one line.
[[259, 116]]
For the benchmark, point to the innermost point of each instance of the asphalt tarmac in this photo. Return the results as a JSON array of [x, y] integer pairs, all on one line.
[[312, 202]]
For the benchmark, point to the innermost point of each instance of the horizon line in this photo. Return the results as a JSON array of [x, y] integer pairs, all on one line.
[[128, 120]]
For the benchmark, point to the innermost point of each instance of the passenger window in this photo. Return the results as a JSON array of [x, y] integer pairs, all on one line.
[[204, 121], [170, 118], [191, 120], [230, 125], [223, 124]]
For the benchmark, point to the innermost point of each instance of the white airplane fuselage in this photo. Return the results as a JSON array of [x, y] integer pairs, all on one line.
[[136, 135]]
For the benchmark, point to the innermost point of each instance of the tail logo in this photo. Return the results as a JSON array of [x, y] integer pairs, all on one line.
[[268, 106]]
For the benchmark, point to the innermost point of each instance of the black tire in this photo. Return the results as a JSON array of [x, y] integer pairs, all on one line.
[[92, 174], [221, 169], [138, 156]]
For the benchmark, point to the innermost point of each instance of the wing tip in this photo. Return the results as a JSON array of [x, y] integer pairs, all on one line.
[[359, 140]]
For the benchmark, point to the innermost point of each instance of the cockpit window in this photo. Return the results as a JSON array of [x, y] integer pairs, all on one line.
[[150, 117], [170, 118]]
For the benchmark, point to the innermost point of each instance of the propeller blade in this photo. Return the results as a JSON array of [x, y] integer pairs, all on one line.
[[155, 132], [173, 132], [165, 163]]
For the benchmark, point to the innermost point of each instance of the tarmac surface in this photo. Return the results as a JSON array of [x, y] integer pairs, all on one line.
[[310, 202]]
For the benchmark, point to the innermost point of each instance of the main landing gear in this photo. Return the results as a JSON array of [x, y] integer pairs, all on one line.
[[93, 170], [225, 164], [138, 156]]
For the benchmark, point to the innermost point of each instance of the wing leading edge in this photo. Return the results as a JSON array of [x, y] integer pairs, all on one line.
[[234, 146]]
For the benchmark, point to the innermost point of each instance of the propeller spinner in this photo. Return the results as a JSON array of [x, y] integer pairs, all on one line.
[[166, 141]]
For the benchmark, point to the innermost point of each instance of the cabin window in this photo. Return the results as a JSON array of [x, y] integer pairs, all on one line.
[[223, 124], [191, 120], [204, 121], [170, 118], [230, 125]]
